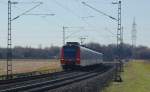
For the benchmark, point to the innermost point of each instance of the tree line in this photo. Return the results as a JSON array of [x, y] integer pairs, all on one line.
[[53, 52], [19, 52]]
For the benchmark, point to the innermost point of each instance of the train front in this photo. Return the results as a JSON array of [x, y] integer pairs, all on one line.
[[70, 56]]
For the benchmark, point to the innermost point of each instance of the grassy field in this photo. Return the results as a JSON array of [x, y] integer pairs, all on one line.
[[29, 65], [136, 78]]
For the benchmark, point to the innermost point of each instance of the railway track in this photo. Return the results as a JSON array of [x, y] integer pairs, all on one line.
[[48, 84], [16, 83], [44, 88]]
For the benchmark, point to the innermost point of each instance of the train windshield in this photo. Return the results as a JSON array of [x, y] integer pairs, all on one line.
[[70, 52]]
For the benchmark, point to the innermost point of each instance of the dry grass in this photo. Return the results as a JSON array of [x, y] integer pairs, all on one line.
[[24, 65]]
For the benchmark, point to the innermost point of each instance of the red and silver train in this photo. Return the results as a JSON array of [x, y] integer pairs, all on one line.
[[74, 56]]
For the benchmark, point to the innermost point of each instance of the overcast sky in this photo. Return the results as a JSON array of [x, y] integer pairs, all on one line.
[[30, 30]]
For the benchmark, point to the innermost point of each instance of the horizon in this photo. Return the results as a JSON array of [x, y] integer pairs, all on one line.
[[44, 47]]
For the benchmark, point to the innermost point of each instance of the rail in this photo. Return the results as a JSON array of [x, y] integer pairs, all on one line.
[[94, 84], [55, 83], [34, 73], [88, 81]]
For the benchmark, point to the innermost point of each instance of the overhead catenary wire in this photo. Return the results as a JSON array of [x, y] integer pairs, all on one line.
[[80, 2], [35, 14], [27, 11], [85, 18], [71, 11], [40, 14], [110, 31], [66, 8], [112, 34], [99, 11], [72, 34]]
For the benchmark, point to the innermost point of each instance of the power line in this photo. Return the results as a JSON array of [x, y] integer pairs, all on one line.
[[66, 8], [64, 33], [82, 39], [133, 33], [27, 10], [71, 11], [84, 18], [35, 14], [99, 11], [110, 32]]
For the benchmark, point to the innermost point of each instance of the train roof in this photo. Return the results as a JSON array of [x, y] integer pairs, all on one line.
[[90, 50], [82, 47]]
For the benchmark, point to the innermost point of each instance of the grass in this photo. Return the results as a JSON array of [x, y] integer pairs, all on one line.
[[136, 78], [53, 67], [29, 65]]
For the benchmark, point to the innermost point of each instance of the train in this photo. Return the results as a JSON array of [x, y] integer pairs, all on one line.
[[75, 56]]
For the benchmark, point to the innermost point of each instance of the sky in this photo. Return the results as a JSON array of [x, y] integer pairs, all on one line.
[[42, 30]]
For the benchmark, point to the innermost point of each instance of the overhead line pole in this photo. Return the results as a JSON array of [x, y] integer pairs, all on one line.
[[119, 32], [119, 26], [9, 38], [119, 37], [9, 43]]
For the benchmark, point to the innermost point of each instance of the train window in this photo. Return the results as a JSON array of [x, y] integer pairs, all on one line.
[[70, 52]]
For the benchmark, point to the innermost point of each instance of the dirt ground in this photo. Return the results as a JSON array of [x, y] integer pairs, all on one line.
[[22, 66]]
